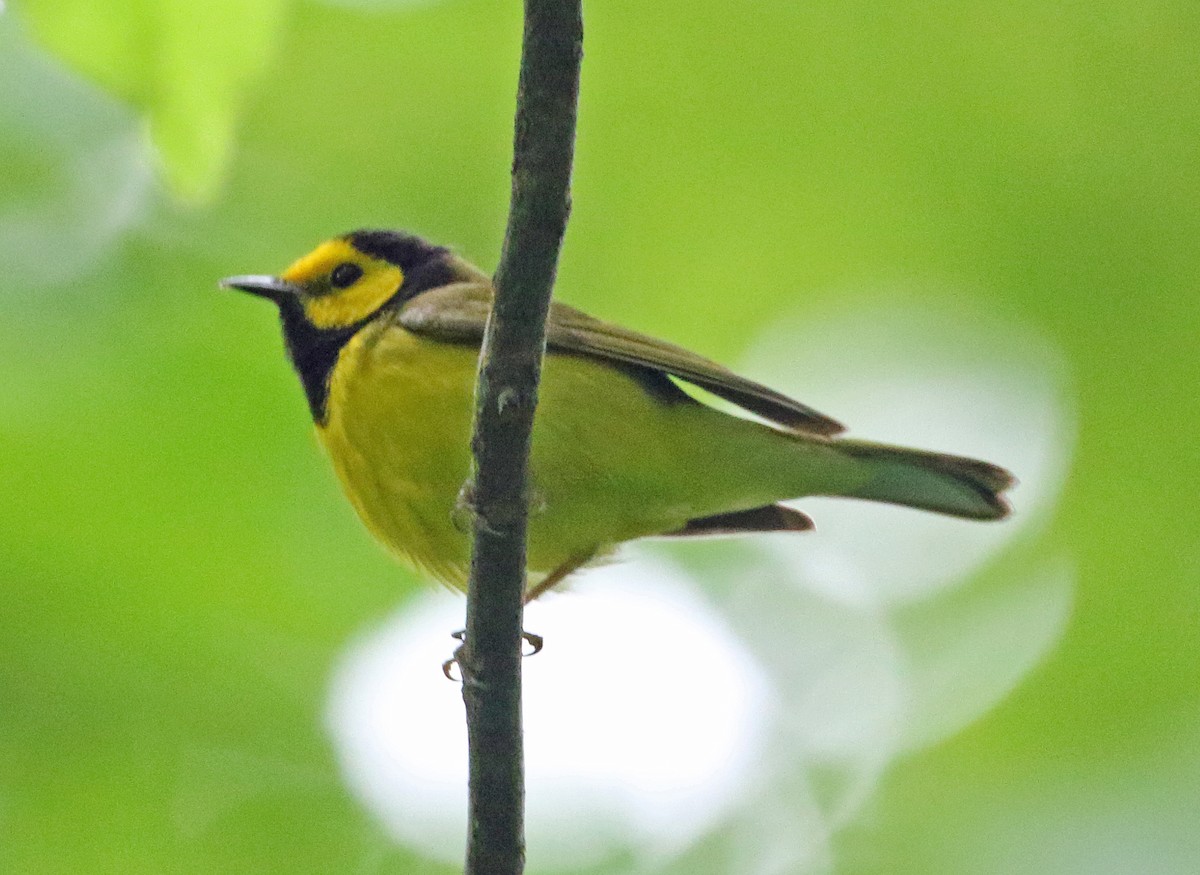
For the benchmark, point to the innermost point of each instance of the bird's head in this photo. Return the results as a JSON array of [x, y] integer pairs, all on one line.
[[345, 281]]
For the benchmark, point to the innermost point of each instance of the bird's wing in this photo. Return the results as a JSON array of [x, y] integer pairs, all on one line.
[[458, 312]]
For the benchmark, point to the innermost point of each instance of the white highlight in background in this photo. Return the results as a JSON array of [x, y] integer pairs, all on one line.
[[643, 721]]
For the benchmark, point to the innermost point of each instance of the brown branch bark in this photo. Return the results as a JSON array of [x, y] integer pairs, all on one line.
[[506, 397]]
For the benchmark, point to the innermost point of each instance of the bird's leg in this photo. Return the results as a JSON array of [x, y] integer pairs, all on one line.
[[558, 575], [536, 642]]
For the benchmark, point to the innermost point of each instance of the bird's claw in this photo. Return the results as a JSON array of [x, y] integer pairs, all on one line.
[[535, 642]]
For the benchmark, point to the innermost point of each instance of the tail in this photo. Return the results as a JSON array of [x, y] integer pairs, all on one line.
[[938, 482]]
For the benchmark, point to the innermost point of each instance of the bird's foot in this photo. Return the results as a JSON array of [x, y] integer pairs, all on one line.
[[535, 642]]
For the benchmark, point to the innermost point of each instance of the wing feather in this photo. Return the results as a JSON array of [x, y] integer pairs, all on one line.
[[459, 312]]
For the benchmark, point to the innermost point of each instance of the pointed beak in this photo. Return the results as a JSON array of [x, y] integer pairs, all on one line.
[[270, 287]]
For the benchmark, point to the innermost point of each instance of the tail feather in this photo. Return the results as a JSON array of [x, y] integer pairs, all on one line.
[[768, 518], [938, 482]]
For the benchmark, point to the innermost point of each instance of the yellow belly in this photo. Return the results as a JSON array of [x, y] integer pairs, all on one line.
[[609, 461]]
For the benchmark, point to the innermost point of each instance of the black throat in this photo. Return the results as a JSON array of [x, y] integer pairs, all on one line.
[[314, 352]]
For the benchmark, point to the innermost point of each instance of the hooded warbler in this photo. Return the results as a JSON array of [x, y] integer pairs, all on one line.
[[384, 328]]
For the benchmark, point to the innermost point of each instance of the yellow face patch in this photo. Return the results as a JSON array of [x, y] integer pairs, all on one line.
[[328, 306]]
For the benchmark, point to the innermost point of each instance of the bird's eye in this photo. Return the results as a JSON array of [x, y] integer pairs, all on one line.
[[344, 275]]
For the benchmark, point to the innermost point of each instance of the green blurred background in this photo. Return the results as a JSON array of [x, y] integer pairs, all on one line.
[[179, 570]]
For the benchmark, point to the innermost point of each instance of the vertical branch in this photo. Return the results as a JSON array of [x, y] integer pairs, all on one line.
[[510, 368]]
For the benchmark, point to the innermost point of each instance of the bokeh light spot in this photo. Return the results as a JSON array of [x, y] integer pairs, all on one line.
[[643, 716]]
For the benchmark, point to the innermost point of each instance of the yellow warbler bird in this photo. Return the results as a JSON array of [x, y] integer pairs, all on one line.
[[384, 328]]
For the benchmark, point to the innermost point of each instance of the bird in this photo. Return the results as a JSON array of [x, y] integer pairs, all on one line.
[[383, 329]]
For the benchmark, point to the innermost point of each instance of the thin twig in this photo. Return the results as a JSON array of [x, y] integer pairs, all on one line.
[[510, 368]]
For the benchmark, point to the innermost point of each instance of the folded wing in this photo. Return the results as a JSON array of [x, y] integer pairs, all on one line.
[[458, 313]]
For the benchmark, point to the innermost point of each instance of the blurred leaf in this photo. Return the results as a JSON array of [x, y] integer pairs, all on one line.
[[186, 66]]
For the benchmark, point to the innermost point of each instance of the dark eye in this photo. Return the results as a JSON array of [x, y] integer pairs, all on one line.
[[344, 275]]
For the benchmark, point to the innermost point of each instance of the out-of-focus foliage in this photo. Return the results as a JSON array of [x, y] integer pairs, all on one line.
[[187, 66], [179, 572]]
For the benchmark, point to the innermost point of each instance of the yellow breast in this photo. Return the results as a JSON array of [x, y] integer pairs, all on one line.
[[398, 432]]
